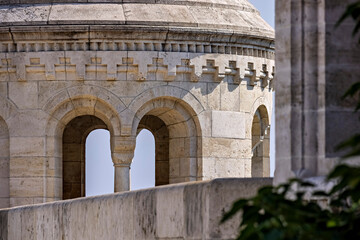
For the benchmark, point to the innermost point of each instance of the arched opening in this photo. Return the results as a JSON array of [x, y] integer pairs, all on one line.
[[99, 169], [4, 165], [161, 135], [260, 142], [143, 164], [74, 140], [176, 139]]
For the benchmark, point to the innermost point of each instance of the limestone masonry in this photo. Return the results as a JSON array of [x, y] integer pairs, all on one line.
[[198, 74]]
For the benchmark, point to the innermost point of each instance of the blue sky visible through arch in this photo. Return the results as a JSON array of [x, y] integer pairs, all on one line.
[[99, 168]]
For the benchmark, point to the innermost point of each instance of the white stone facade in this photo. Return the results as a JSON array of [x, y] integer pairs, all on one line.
[[198, 75]]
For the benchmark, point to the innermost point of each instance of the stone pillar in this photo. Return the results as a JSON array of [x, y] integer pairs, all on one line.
[[122, 177], [122, 153], [315, 65]]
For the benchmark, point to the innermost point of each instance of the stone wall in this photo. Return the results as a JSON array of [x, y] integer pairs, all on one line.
[[195, 82], [182, 211], [316, 63]]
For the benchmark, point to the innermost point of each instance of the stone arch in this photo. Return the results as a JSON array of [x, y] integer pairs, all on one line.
[[73, 144], [66, 109], [4, 165], [261, 101], [7, 108], [177, 135], [260, 143], [189, 102], [82, 100]]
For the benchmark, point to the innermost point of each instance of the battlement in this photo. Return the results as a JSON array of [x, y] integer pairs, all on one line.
[[136, 66]]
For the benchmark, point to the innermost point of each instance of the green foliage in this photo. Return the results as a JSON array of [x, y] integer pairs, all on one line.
[[352, 11], [284, 212], [292, 210]]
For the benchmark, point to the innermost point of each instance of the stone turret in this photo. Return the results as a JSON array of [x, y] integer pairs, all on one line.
[[197, 73]]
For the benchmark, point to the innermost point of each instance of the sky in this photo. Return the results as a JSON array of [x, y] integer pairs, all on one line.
[[99, 167]]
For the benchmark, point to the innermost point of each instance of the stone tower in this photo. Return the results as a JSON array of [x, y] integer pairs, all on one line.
[[197, 73]]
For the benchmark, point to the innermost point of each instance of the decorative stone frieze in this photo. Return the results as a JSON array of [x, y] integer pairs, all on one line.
[[65, 68]]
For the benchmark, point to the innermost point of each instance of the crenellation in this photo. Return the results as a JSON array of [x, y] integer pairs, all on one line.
[[264, 76], [6, 66], [165, 68], [158, 70], [185, 71], [250, 74], [233, 72], [65, 70], [271, 78], [96, 70], [128, 70]]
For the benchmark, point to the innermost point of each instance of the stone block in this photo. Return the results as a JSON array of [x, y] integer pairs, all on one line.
[[172, 15], [29, 13], [4, 148], [24, 94], [230, 97], [27, 187], [170, 213], [14, 222], [27, 146], [145, 215], [85, 14], [21, 201], [27, 166], [227, 124], [4, 189], [33, 122]]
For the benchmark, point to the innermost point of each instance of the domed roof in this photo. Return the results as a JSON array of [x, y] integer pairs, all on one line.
[[237, 16]]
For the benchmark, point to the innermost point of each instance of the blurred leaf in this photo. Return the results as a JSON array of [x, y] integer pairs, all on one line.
[[352, 90], [238, 205]]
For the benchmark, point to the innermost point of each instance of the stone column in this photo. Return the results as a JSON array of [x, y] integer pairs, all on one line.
[[315, 65], [122, 153], [122, 177]]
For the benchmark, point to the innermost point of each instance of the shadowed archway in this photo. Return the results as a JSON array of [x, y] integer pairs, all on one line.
[[74, 139], [177, 138], [260, 142]]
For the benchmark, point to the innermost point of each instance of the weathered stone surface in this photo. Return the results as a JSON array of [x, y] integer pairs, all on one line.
[[87, 13], [228, 124], [182, 211], [186, 70], [316, 63]]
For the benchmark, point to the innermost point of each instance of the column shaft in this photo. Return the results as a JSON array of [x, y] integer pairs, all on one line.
[[122, 178]]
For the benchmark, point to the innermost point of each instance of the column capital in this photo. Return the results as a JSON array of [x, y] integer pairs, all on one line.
[[122, 159], [122, 150], [122, 165], [123, 144]]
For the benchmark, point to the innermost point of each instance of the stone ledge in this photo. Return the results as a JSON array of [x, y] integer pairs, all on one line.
[[186, 211]]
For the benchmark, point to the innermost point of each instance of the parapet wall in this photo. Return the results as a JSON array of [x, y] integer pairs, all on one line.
[[181, 211]]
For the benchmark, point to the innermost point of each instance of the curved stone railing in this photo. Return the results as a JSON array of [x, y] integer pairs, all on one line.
[[181, 211]]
